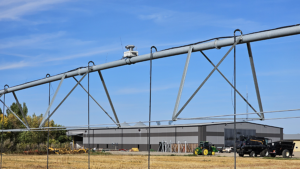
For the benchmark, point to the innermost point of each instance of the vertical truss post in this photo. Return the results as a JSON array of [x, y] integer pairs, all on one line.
[[182, 82], [20, 108], [255, 80], [109, 99], [193, 95], [47, 112]]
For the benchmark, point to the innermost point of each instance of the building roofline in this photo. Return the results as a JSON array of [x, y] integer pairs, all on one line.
[[170, 126]]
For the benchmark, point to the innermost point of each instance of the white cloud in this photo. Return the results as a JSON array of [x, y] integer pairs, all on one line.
[[32, 61], [30, 40], [14, 10], [84, 54], [157, 17], [15, 65], [179, 18], [15, 54]]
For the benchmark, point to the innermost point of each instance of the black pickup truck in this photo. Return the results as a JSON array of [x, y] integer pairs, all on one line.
[[253, 146], [264, 147], [284, 148]]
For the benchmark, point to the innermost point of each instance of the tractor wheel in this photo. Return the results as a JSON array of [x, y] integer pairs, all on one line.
[[252, 154], [286, 153], [273, 155], [213, 153], [267, 153], [241, 155], [196, 151], [205, 152]]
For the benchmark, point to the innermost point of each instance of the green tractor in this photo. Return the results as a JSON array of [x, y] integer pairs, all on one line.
[[205, 148]]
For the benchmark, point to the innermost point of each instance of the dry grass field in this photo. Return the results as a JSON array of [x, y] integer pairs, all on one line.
[[140, 161]]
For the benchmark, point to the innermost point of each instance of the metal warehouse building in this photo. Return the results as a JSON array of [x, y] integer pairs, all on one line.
[[219, 134]]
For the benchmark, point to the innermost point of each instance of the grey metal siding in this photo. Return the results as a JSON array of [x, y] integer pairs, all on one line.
[[137, 137]]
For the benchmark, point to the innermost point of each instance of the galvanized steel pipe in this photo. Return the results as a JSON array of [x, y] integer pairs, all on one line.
[[161, 54]]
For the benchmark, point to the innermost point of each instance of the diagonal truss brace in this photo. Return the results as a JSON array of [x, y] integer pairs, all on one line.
[[182, 81], [95, 100], [52, 100], [15, 115], [62, 100], [20, 108], [175, 117], [109, 99], [255, 80], [230, 83]]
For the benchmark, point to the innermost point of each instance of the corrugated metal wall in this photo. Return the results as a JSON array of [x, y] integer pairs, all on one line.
[[137, 137]]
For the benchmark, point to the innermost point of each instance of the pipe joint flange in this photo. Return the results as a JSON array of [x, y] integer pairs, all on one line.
[[216, 44], [90, 68], [151, 56], [79, 71], [128, 62], [5, 89], [241, 39]]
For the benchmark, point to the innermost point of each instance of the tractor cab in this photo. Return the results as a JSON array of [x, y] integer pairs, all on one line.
[[205, 144], [205, 148]]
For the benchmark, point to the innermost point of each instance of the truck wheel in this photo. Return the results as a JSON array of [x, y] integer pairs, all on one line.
[[267, 153], [262, 153], [241, 155], [252, 154], [286, 153]]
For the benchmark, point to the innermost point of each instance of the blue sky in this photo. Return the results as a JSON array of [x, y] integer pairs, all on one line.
[[40, 37]]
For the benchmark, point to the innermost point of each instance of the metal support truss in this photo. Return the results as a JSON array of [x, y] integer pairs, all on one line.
[[95, 100], [182, 82], [20, 108], [255, 79], [15, 115], [230, 83], [109, 99], [218, 43], [44, 120], [238, 40], [48, 109]]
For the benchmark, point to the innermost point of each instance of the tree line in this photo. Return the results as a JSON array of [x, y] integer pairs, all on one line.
[[14, 141]]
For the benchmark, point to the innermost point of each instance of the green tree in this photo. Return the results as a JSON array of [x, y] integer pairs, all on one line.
[[29, 138], [15, 108]]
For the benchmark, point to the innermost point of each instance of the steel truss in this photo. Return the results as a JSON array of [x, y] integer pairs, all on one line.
[[217, 43]]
